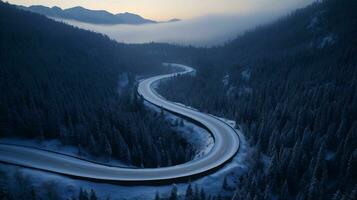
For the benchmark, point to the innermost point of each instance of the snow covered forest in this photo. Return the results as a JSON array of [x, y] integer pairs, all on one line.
[[62, 82], [295, 96], [290, 86]]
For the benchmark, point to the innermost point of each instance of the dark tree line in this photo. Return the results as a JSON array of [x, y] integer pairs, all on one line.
[[16, 185], [19, 186], [290, 85], [191, 193], [295, 97], [61, 82]]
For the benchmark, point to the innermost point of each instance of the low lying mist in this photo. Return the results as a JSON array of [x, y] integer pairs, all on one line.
[[202, 31]]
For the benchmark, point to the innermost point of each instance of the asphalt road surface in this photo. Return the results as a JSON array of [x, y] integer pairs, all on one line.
[[226, 145]]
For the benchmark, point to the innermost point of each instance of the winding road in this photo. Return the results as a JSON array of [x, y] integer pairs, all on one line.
[[225, 147]]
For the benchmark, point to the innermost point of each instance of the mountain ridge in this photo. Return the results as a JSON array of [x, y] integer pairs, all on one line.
[[82, 14]]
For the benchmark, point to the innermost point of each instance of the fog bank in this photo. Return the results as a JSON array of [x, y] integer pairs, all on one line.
[[202, 31]]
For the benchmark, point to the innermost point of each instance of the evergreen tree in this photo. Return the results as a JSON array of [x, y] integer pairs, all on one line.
[[189, 192], [93, 196], [157, 196], [173, 193], [202, 194], [225, 185]]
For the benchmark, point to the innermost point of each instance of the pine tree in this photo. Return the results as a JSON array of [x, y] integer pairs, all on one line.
[[33, 195], [107, 148], [83, 195], [93, 196], [313, 191], [284, 194], [173, 194], [202, 194], [157, 196], [337, 195], [189, 192], [196, 193], [353, 194], [267, 192], [181, 123], [225, 185], [162, 112]]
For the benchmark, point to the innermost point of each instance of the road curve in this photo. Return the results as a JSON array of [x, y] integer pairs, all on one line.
[[225, 147]]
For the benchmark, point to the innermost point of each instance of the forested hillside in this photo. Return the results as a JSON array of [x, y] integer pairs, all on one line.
[[60, 82], [291, 85]]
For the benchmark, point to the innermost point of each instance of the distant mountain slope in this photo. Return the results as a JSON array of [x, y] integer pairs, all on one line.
[[90, 16]]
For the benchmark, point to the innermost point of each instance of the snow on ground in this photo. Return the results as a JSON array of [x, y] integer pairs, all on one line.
[[330, 155], [266, 160], [313, 22], [245, 90], [225, 80], [328, 40], [54, 145], [246, 74], [196, 135], [183, 105], [231, 123], [317, 26], [232, 169], [316, 21], [123, 81], [241, 90], [57, 146], [180, 68], [199, 137], [69, 187]]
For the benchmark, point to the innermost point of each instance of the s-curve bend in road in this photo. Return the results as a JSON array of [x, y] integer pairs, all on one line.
[[225, 147]]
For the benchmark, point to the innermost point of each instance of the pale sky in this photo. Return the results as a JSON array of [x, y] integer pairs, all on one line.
[[168, 9]]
